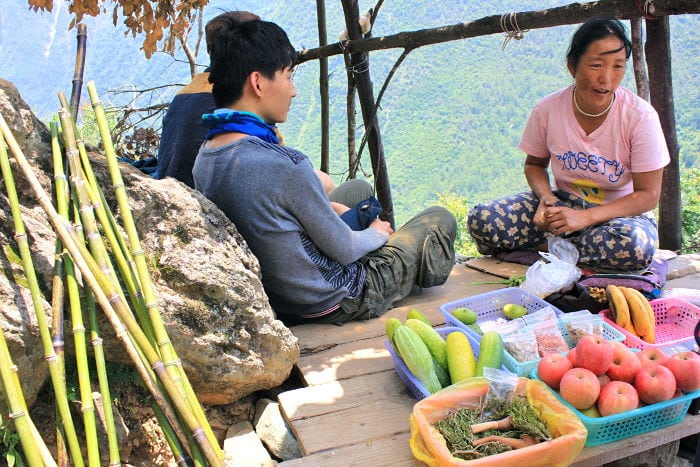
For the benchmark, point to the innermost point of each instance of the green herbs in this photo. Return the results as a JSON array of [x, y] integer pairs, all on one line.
[[513, 424]]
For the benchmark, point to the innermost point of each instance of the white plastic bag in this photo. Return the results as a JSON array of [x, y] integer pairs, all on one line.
[[555, 272]]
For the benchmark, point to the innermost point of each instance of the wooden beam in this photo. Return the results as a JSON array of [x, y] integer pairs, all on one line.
[[574, 13], [658, 52], [323, 86]]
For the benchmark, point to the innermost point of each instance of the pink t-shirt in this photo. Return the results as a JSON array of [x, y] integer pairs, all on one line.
[[596, 167]]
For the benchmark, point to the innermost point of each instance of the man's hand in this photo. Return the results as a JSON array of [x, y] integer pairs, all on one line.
[[382, 226]]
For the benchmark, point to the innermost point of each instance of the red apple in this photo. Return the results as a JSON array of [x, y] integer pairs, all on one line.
[[655, 383], [579, 387], [604, 379], [624, 365], [651, 356], [571, 355], [616, 397], [617, 344], [685, 367], [551, 368], [594, 353]]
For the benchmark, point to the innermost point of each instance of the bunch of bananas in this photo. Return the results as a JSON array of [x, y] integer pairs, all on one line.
[[632, 312]]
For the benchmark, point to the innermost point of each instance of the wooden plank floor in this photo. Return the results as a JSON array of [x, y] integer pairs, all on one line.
[[354, 409]]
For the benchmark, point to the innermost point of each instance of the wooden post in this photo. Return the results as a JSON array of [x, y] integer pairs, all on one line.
[[638, 63], [323, 86], [359, 62], [658, 52]]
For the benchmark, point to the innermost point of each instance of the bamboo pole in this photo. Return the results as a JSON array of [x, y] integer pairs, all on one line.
[[114, 308], [89, 192], [33, 445], [34, 448], [57, 289], [55, 370], [164, 345]]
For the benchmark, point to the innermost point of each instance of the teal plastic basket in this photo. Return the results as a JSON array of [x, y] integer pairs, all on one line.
[[603, 430], [416, 387]]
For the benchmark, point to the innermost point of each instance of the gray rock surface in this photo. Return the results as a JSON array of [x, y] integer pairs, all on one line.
[[207, 281], [273, 430]]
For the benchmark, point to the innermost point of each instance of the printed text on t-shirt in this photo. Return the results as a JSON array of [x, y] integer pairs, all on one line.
[[571, 161]]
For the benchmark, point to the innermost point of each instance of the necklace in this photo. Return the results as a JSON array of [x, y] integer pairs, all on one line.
[[585, 114]]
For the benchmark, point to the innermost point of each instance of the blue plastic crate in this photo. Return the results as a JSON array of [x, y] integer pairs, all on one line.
[[603, 430], [489, 306], [416, 387]]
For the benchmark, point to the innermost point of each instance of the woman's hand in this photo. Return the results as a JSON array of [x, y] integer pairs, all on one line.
[[540, 219], [562, 220]]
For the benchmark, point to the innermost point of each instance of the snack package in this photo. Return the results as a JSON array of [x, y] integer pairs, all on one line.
[[584, 325], [522, 345], [549, 338], [543, 314]]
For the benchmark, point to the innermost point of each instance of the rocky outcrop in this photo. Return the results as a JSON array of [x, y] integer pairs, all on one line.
[[207, 280]]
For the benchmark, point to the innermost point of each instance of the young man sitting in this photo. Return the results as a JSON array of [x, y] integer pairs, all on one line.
[[315, 268]]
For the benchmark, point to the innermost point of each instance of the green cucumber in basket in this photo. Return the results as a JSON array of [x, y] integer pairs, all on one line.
[[490, 352]]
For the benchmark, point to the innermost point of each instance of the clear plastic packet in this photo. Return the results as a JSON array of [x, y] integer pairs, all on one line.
[[522, 345], [543, 314], [549, 338], [581, 326], [502, 385], [493, 324]]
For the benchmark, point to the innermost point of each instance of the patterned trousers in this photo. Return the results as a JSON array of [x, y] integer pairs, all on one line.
[[506, 224]]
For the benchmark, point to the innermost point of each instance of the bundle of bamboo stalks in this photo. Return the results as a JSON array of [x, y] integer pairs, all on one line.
[[103, 259]]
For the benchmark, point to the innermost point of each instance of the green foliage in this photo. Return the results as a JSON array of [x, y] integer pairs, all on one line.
[[690, 209], [88, 130], [9, 442], [457, 205]]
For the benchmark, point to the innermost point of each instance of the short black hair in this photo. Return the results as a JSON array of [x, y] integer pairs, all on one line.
[[592, 30], [230, 18], [242, 49]]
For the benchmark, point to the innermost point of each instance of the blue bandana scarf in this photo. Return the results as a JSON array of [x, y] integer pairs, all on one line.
[[228, 121]]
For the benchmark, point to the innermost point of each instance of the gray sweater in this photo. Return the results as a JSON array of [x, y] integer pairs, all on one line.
[[308, 256]]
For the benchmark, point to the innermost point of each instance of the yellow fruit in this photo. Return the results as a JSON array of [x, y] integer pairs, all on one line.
[[461, 362], [618, 306], [465, 315], [636, 303], [646, 315], [513, 311]]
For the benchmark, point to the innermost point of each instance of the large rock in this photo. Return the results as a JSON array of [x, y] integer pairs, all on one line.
[[206, 279]]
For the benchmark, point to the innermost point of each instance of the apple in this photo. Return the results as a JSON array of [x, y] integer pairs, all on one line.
[[617, 344], [685, 367], [655, 383], [551, 368], [604, 379], [571, 355], [591, 411], [580, 388], [594, 353], [616, 397], [651, 356], [624, 365]]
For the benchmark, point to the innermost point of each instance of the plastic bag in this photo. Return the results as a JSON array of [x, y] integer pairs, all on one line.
[[428, 445], [556, 272]]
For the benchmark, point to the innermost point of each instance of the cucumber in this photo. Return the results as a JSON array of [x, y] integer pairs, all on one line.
[[490, 352]]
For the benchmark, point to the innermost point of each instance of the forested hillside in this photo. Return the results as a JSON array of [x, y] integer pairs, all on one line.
[[450, 120]]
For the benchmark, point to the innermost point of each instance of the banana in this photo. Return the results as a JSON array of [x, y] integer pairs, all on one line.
[[639, 316], [650, 335], [618, 306]]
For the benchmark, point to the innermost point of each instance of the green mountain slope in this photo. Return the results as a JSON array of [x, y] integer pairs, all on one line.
[[450, 120]]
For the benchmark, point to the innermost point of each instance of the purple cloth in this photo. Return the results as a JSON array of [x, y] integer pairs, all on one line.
[[653, 277]]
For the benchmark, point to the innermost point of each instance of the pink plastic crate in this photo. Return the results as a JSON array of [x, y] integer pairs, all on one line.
[[675, 325]]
